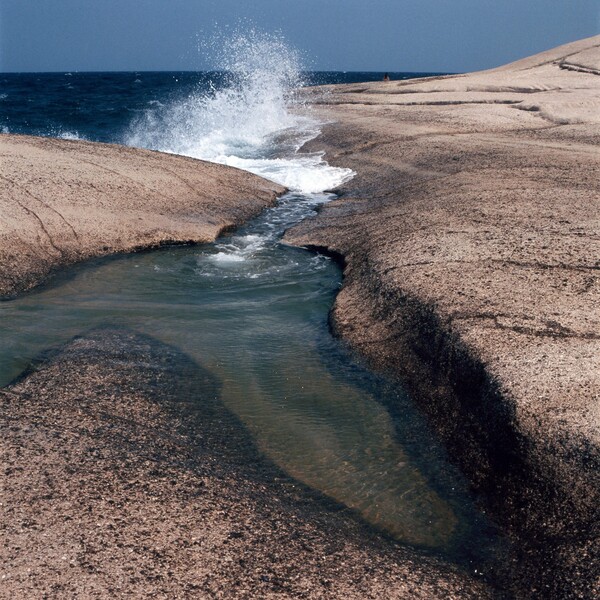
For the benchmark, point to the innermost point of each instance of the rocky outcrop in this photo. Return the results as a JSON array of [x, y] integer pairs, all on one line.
[[471, 238], [124, 476], [65, 201]]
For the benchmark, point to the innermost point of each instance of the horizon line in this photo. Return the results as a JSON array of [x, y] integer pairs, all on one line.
[[83, 72]]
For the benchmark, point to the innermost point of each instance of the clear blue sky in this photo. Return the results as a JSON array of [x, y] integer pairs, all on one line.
[[378, 35]]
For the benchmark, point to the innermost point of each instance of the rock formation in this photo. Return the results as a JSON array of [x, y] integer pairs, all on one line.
[[65, 201], [471, 238]]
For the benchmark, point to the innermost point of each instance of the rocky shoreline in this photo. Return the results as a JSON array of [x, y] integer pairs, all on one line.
[[67, 201], [125, 476], [123, 473], [470, 237]]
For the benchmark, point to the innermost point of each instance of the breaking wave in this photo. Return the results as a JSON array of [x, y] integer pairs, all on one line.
[[251, 119]]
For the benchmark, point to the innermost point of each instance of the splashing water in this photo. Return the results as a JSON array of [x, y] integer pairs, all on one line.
[[247, 123]]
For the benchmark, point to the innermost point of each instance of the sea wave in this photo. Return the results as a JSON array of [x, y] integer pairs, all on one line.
[[252, 122]]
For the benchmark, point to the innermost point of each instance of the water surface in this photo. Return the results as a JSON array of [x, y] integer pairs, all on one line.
[[254, 312]]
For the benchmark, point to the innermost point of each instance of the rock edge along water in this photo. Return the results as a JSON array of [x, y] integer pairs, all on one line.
[[471, 237], [90, 422], [66, 201], [125, 476]]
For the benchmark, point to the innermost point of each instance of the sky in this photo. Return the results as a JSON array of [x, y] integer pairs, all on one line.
[[353, 35]]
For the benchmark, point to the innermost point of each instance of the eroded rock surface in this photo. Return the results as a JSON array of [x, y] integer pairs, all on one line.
[[125, 477], [64, 201], [471, 235]]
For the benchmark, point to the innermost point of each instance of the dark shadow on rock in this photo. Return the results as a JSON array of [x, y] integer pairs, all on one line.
[[549, 510]]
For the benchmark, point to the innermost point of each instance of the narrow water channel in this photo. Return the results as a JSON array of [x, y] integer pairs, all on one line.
[[249, 309], [254, 312]]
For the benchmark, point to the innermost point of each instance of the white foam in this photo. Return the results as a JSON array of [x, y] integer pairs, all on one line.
[[228, 257], [240, 248], [308, 174], [245, 122], [69, 135]]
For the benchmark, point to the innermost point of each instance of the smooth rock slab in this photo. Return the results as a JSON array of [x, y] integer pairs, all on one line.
[[471, 237], [65, 201]]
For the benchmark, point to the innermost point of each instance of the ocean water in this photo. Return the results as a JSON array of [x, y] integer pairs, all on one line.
[[249, 309], [100, 107]]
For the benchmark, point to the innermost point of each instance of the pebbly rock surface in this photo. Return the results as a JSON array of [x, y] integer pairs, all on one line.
[[471, 242], [123, 476], [65, 201]]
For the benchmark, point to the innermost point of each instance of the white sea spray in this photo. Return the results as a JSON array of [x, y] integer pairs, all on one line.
[[251, 121]]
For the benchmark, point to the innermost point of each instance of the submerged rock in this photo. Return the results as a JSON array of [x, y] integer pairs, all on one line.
[[125, 476]]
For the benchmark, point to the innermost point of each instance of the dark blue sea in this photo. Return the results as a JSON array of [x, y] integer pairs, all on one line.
[[102, 106]]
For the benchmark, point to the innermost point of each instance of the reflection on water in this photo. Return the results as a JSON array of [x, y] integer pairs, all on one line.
[[254, 312]]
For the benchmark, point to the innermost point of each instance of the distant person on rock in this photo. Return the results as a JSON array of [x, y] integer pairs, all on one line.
[[386, 77]]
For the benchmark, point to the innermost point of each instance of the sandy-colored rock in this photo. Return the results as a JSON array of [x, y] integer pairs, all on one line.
[[471, 235], [124, 476], [64, 201]]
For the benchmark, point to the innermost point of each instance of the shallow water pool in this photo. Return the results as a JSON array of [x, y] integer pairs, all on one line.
[[254, 312]]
